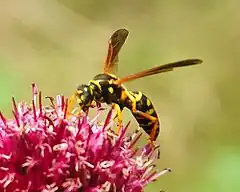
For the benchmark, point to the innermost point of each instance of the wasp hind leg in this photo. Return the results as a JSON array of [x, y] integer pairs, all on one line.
[[118, 115], [144, 115], [154, 120]]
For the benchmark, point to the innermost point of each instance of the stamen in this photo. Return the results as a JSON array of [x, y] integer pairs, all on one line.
[[108, 119], [62, 101], [155, 175], [49, 121], [40, 103], [34, 111], [16, 118], [65, 110], [122, 134], [134, 152], [163, 172], [135, 140], [15, 106], [35, 93], [3, 119]]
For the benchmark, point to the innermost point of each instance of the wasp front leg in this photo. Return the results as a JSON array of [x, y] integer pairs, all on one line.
[[118, 115], [132, 99], [70, 105]]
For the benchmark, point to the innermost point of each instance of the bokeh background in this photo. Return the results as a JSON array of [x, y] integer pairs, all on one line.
[[61, 43]]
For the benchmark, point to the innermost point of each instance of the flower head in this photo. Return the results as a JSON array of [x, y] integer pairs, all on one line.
[[46, 149]]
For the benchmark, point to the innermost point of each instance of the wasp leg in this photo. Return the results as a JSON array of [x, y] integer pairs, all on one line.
[[132, 99], [51, 100], [93, 104], [119, 116], [155, 126], [145, 115], [70, 105]]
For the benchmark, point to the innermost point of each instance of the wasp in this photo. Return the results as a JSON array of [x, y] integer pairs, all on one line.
[[107, 88]]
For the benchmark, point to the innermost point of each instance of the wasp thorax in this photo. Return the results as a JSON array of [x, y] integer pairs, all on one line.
[[84, 96]]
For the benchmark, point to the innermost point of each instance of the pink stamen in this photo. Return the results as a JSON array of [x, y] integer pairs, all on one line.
[[16, 118], [65, 109], [62, 102], [34, 111], [122, 134], [108, 118], [49, 121], [134, 152], [35, 93], [155, 175]]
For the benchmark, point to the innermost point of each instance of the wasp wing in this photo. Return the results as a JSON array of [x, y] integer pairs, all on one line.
[[115, 43], [159, 69]]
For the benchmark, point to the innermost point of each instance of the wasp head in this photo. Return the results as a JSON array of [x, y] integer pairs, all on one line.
[[84, 96]]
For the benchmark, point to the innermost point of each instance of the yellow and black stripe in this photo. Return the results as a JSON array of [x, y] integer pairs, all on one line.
[[145, 114]]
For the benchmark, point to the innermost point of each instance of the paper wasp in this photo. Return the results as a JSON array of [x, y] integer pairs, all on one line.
[[108, 88]]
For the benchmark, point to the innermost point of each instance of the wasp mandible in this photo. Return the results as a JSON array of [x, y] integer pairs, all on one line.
[[108, 88]]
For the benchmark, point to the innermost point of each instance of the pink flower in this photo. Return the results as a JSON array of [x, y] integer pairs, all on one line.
[[46, 149]]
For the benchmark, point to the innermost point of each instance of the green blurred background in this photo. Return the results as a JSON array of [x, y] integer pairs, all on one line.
[[59, 44]]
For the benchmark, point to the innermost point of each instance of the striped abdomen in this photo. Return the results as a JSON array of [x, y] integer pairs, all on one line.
[[145, 105]]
